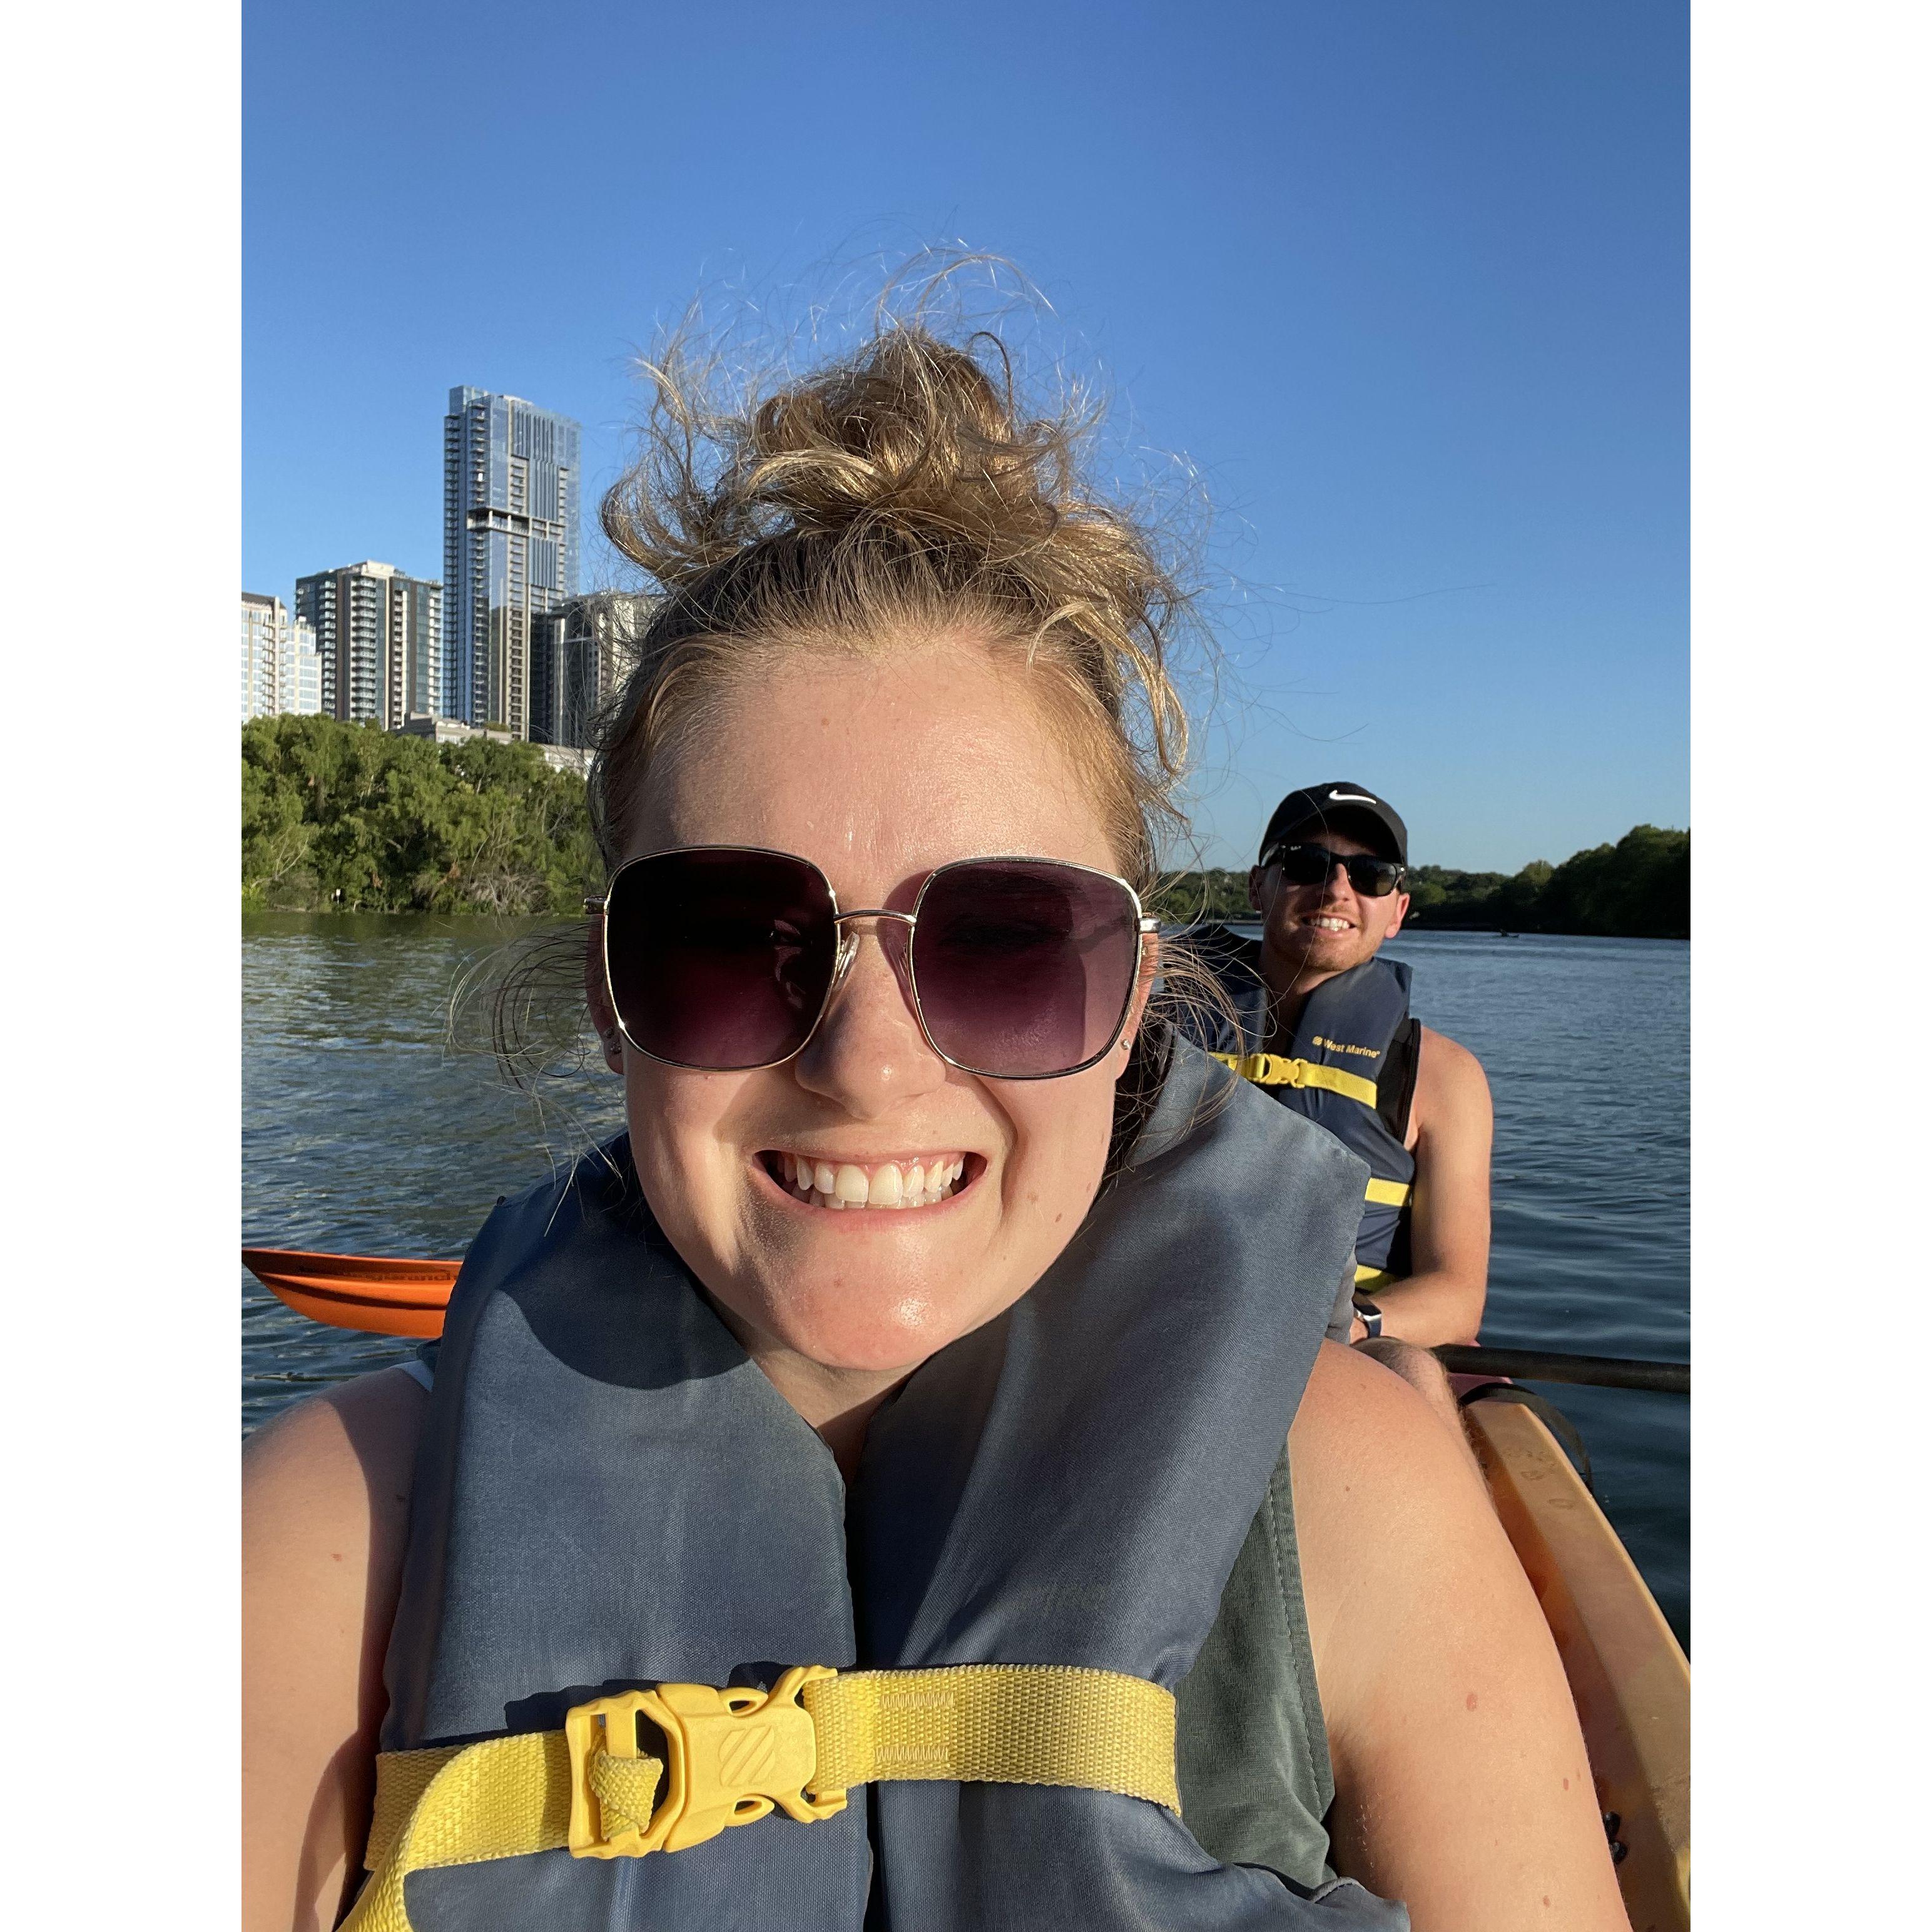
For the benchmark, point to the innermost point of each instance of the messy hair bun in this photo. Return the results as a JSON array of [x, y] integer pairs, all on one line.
[[899, 490]]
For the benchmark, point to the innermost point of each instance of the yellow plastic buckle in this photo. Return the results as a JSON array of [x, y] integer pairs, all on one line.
[[730, 1758]]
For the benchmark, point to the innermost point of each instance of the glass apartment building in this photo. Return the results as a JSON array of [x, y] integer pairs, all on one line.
[[299, 675], [281, 668], [580, 654], [511, 479], [379, 636], [263, 621]]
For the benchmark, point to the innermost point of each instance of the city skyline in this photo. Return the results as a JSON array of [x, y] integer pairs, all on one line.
[[1393, 305], [513, 652]]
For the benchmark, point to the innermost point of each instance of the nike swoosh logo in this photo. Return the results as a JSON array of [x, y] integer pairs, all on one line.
[[1352, 798]]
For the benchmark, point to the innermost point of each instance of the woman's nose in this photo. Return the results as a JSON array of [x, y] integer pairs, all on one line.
[[869, 1055]]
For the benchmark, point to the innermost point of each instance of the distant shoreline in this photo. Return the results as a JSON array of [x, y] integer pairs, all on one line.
[[1639, 888], [338, 817]]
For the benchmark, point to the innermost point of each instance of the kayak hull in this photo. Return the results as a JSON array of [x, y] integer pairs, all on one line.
[[371, 1293], [1628, 1675]]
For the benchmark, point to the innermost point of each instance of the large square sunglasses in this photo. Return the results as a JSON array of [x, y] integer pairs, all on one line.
[[726, 958], [1312, 865]]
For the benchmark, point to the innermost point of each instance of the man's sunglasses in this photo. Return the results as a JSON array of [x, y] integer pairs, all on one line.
[[726, 958], [1311, 864]]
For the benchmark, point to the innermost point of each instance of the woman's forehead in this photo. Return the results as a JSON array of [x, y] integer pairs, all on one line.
[[876, 769]]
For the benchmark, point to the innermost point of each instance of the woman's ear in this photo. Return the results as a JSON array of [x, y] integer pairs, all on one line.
[[1144, 979], [597, 996]]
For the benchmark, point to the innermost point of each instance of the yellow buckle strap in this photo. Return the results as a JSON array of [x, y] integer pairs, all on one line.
[[733, 1757], [1275, 1070], [1387, 1193]]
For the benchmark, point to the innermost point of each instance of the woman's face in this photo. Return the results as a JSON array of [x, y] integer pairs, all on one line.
[[878, 773]]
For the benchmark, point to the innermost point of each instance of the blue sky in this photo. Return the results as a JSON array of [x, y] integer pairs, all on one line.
[[1406, 284]]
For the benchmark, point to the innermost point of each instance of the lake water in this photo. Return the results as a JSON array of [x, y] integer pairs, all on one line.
[[364, 1130]]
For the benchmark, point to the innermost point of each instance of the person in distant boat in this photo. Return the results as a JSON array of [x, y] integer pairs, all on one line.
[[1323, 1024]]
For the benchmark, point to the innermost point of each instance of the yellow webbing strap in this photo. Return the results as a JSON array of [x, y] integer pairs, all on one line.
[[998, 1723], [1273, 1070], [1369, 1279], [500, 1799], [1389, 1193]]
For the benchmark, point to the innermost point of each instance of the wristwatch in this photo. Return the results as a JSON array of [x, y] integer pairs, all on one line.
[[1371, 1319]]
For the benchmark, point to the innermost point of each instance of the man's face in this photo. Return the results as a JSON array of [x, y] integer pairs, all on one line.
[[1327, 927]]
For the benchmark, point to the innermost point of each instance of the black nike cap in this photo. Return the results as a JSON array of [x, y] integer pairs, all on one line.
[[1352, 810]]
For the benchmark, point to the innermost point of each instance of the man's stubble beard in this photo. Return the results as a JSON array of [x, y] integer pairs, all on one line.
[[1325, 952]]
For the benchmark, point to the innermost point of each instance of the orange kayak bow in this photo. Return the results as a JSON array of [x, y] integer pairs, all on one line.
[[369, 1292]]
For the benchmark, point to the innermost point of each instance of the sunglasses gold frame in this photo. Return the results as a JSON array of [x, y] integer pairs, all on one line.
[[848, 948]]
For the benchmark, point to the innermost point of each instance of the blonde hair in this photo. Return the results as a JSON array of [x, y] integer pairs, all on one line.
[[892, 497], [895, 495]]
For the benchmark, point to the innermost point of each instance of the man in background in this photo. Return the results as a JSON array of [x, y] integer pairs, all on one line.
[[1323, 1025]]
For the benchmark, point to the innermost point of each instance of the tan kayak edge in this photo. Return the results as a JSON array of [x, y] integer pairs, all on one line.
[[1628, 1675]]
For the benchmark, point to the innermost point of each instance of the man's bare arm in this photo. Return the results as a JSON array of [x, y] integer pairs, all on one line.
[[1449, 1229]]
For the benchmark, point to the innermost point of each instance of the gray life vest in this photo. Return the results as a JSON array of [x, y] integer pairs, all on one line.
[[609, 1494], [1358, 1023]]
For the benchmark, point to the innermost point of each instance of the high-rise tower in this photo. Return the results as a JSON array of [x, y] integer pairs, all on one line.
[[380, 636], [510, 482]]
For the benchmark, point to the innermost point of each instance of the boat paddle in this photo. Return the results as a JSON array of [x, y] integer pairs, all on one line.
[[382, 1296], [1538, 1365]]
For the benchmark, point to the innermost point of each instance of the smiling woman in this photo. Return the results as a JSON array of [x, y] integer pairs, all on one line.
[[903, 1477]]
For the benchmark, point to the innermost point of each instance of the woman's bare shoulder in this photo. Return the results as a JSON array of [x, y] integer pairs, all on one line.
[[325, 1493], [1461, 1784], [350, 1448]]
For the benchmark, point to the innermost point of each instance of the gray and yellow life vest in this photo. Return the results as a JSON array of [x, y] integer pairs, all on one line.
[[1350, 1068], [614, 1512]]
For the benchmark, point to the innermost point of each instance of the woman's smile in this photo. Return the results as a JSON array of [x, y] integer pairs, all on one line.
[[838, 1181]]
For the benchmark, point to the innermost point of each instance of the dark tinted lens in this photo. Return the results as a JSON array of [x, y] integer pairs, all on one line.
[[1304, 864], [1310, 865], [719, 959], [1023, 967], [1373, 878]]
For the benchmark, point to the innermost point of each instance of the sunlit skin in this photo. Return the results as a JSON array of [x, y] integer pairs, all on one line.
[[878, 773]]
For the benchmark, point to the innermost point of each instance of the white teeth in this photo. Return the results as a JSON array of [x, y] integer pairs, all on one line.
[[888, 1185]]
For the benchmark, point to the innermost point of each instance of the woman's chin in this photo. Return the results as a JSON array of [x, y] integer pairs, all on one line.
[[846, 1334]]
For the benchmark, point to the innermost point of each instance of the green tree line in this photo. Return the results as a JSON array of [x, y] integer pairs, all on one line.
[[1639, 888], [352, 818], [349, 817]]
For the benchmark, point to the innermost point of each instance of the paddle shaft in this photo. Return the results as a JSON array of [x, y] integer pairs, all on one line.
[[1536, 1365]]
